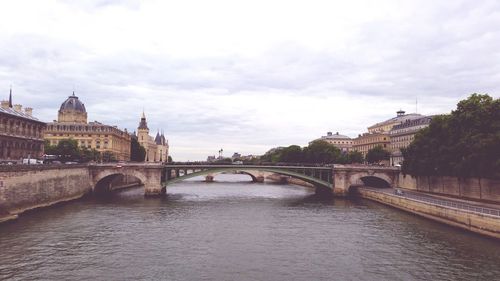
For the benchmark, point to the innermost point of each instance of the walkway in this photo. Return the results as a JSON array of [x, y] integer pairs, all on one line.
[[441, 200]]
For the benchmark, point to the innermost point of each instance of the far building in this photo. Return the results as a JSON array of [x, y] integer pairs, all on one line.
[[21, 134], [72, 124], [403, 134], [342, 142], [157, 147], [378, 134]]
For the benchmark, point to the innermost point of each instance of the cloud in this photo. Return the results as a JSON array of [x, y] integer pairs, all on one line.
[[248, 76]]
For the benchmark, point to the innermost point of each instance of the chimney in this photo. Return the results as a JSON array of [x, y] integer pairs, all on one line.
[[5, 104], [28, 111], [18, 107], [329, 133]]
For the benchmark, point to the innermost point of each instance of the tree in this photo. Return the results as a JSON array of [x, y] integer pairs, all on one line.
[[377, 154], [137, 151], [355, 157], [465, 143], [321, 152], [291, 154], [68, 150], [90, 154], [108, 156], [169, 159]]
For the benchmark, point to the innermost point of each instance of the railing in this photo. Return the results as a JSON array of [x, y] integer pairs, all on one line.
[[452, 204]]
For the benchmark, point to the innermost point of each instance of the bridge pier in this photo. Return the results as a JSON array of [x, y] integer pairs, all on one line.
[[209, 178], [155, 191], [259, 179]]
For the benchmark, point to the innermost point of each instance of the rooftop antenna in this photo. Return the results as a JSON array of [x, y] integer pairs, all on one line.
[[416, 104]]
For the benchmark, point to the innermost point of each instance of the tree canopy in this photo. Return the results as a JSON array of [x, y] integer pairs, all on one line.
[[137, 151], [465, 143], [68, 150], [377, 154], [318, 152]]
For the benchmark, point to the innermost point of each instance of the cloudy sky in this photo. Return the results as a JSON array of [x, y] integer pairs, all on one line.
[[247, 76]]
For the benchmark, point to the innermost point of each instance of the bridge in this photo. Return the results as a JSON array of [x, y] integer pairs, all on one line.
[[337, 178]]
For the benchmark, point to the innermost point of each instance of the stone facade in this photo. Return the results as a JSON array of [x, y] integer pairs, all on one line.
[[342, 142], [21, 134], [403, 134], [72, 123], [367, 141], [156, 148]]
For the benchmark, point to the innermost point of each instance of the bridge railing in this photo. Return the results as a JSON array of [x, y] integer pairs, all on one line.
[[452, 204]]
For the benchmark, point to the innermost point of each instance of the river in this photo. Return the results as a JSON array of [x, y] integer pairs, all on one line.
[[236, 230]]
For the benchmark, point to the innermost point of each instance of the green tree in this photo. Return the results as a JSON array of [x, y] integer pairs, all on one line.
[[108, 156], [355, 157], [68, 150], [465, 143], [321, 152], [291, 154], [169, 159], [49, 149], [137, 151], [377, 154], [90, 154]]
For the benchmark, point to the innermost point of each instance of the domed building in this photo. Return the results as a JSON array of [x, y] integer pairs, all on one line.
[[72, 111], [342, 142], [72, 123]]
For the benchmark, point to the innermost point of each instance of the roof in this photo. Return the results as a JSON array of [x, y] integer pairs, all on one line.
[[398, 119], [329, 135], [21, 114], [423, 120], [143, 124], [73, 103]]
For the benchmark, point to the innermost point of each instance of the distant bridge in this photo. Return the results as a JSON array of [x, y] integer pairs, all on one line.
[[337, 178]]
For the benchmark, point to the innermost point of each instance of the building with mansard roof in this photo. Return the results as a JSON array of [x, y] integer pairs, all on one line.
[[72, 124], [157, 147], [21, 134]]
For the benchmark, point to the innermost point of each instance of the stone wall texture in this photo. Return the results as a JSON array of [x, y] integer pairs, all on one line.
[[475, 222], [23, 189], [472, 188]]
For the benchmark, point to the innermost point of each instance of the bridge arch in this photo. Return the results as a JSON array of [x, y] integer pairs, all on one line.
[[102, 182], [248, 170]]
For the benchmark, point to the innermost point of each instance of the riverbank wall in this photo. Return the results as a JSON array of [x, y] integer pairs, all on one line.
[[26, 188], [480, 223], [471, 188]]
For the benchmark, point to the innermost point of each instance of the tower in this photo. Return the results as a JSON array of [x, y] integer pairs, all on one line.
[[143, 130]]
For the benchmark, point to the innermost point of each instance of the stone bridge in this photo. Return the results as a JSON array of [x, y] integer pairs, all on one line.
[[150, 176]]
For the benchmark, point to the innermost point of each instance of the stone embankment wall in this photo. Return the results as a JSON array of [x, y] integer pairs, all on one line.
[[472, 188], [480, 223], [24, 188]]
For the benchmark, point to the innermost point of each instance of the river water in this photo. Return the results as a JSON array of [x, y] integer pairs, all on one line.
[[235, 230]]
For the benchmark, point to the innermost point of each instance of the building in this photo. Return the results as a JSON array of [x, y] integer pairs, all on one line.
[[342, 142], [367, 141], [156, 148], [72, 124], [21, 134], [378, 134], [386, 126], [403, 134]]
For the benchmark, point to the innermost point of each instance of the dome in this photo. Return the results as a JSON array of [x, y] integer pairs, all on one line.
[[73, 104]]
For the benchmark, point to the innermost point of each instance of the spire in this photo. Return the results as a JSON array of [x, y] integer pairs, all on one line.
[[10, 97], [143, 115], [73, 93]]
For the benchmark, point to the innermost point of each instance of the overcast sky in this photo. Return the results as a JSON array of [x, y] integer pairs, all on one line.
[[247, 76]]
